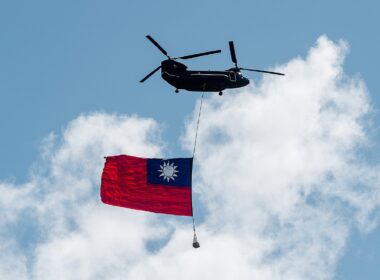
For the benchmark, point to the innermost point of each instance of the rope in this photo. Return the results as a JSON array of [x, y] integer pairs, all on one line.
[[195, 240], [196, 132]]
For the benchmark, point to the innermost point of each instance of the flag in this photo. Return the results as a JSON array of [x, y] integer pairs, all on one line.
[[149, 184]]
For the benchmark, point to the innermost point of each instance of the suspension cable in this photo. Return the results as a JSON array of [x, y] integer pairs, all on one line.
[[196, 131], [195, 240]]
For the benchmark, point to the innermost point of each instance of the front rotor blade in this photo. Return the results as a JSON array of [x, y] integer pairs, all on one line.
[[262, 71], [232, 51], [150, 74], [157, 45], [199, 54]]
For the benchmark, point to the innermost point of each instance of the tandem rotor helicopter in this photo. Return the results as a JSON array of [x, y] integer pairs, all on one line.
[[177, 75]]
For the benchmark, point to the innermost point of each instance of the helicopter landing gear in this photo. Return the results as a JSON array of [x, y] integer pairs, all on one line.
[[176, 90], [220, 93]]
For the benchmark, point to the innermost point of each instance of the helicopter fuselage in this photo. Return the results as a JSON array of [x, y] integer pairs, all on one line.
[[177, 75]]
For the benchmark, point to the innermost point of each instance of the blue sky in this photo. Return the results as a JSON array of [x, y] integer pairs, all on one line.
[[60, 60]]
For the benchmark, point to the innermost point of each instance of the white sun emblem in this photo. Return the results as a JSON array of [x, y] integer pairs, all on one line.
[[168, 171]]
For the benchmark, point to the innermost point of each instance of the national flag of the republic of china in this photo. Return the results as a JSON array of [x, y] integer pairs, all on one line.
[[149, 184]]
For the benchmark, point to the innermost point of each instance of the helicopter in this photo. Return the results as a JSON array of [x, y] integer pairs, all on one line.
[[177, 75]]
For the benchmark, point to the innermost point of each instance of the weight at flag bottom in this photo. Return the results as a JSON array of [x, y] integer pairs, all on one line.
[[148, 184]]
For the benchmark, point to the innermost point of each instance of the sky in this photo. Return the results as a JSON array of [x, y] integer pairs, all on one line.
[[286, 180]]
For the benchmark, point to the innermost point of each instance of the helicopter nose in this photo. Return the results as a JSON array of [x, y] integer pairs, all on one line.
[[246, 81]]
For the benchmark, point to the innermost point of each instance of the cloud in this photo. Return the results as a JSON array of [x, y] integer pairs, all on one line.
[[282, 162], [55, 226], [279, 171]]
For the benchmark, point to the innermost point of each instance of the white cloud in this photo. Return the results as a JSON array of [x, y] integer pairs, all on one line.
[[71, 234], [12, 263], [281, 162], [278, 168]]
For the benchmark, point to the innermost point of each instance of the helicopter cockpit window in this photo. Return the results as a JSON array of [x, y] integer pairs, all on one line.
[[232, 76]]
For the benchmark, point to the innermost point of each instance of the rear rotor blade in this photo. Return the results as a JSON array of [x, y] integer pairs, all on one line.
[[198, 54], [150, 74], [157, 45], [262, 71], [232, 51]]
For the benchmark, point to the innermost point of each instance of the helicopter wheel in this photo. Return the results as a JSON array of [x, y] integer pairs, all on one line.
[[220, 93], [176, 90]]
